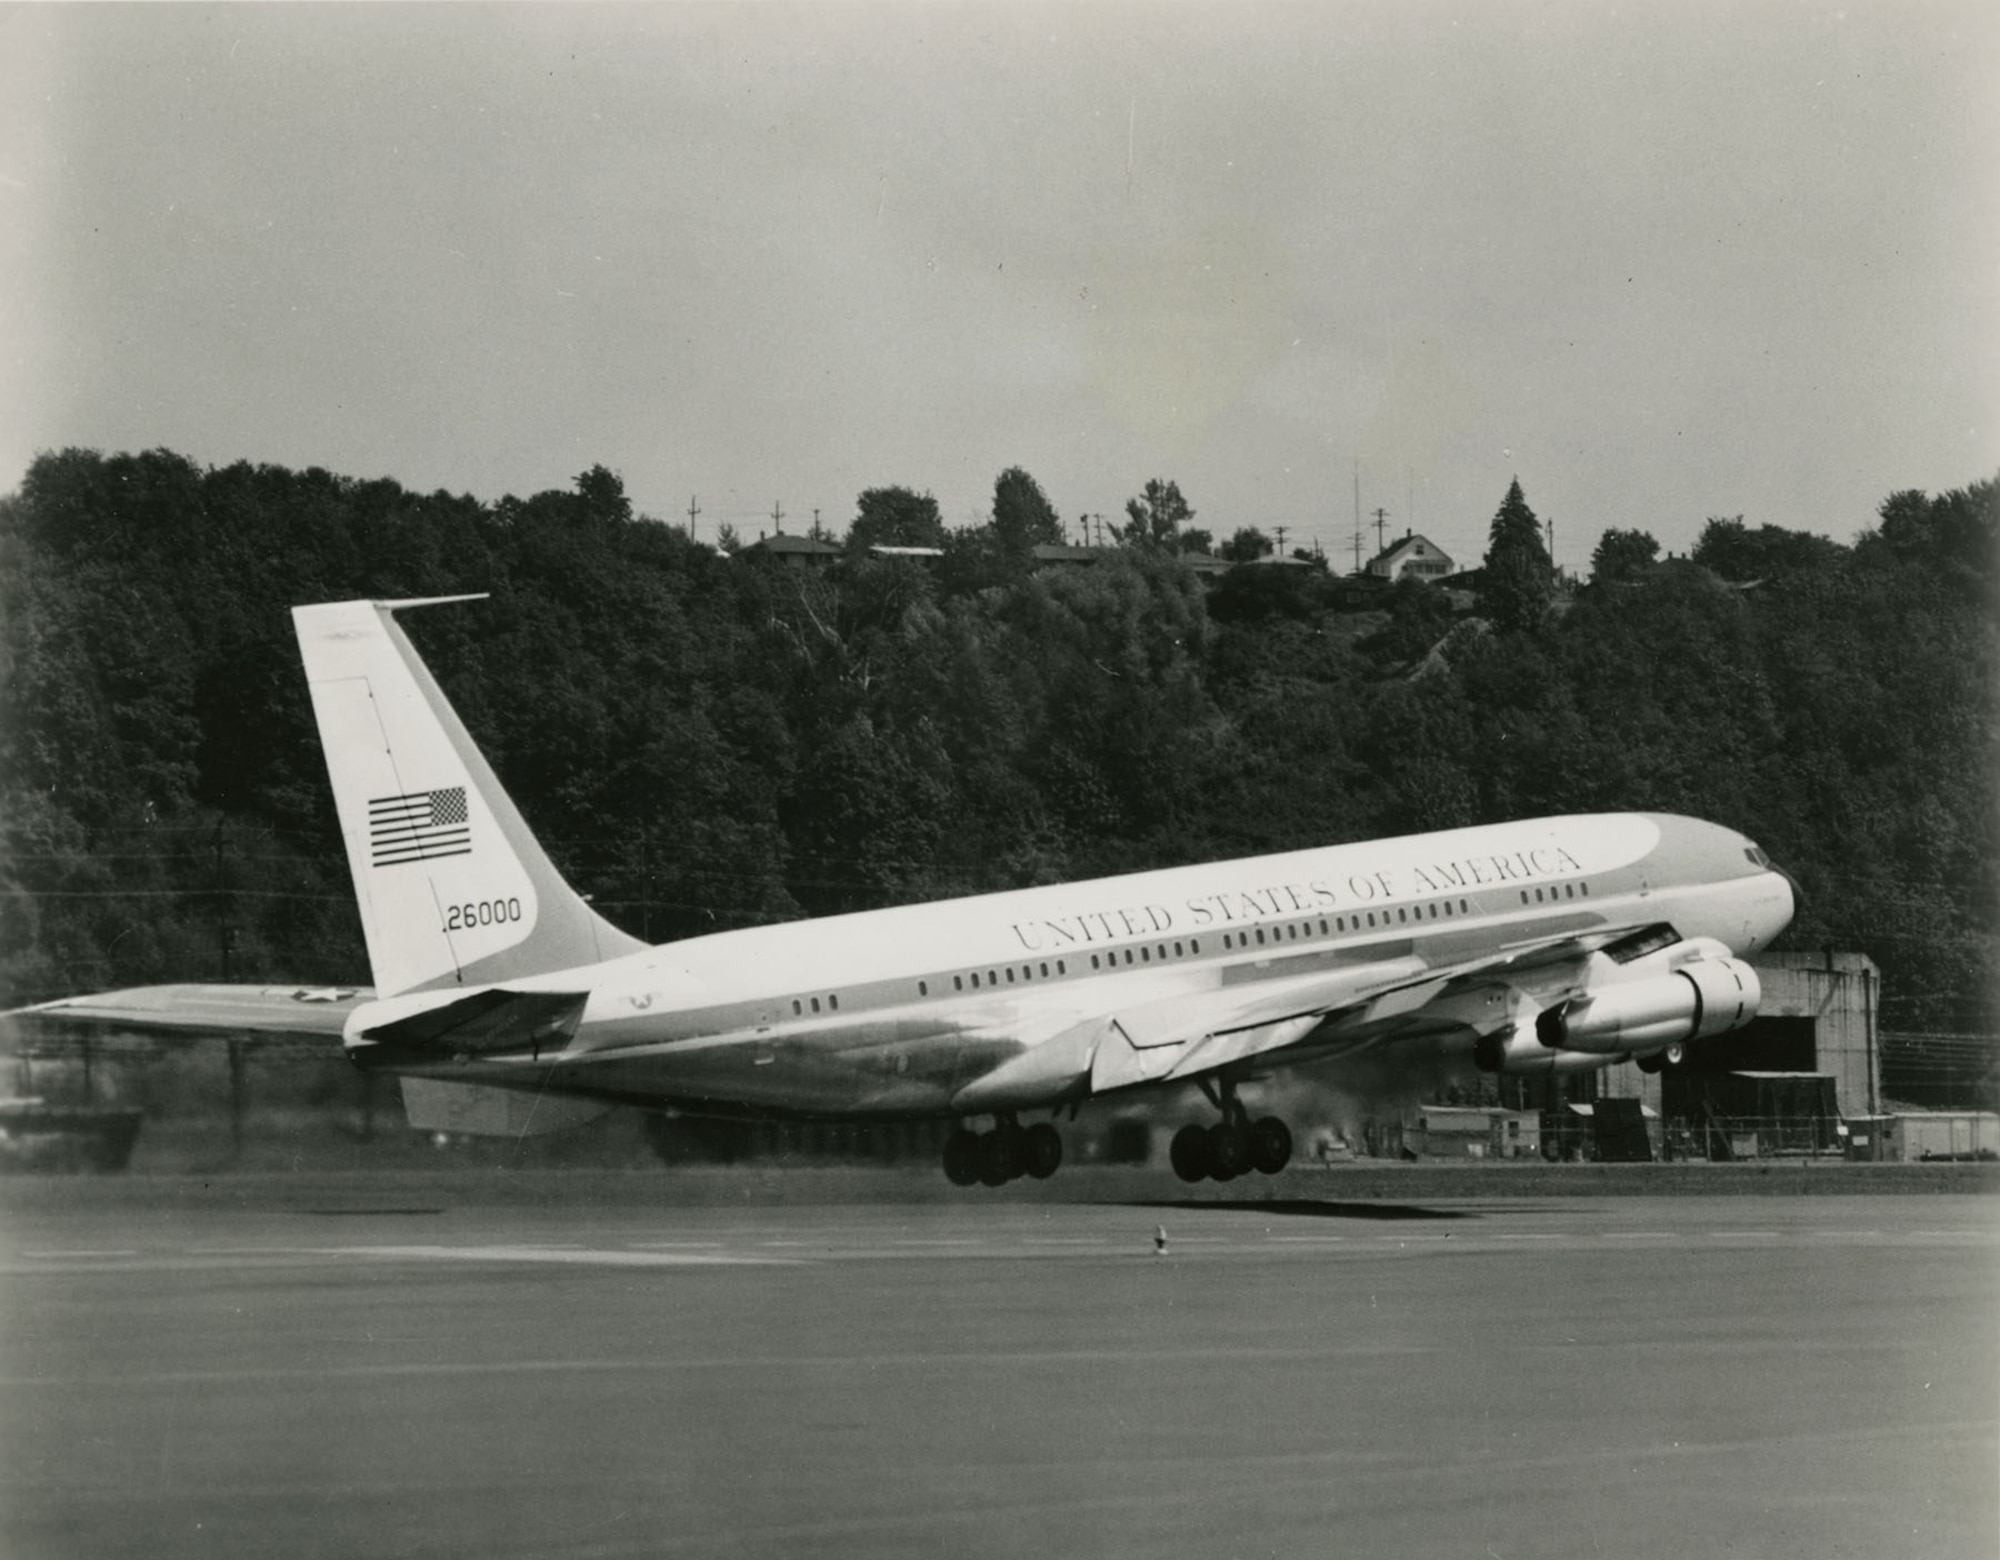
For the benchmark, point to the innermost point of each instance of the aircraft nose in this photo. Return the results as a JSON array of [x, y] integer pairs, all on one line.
[[1782, 916], [1797, 896], [1792, 883]]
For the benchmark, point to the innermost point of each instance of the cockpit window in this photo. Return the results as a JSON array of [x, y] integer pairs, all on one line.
[[1758, 858]]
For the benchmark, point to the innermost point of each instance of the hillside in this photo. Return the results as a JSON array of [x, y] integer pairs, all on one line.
[[707, 741]]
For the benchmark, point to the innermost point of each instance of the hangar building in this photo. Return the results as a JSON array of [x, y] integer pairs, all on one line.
[[1814, 1034]]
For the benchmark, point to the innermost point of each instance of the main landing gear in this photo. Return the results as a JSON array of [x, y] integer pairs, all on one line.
[[1008, 1151], [1234, 1146]]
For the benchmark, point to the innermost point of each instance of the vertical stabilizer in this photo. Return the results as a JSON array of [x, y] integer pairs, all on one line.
[[453, 888]]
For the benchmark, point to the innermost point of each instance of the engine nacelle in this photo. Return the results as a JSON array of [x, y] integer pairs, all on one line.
[[1702, 998], [1518, 1051]]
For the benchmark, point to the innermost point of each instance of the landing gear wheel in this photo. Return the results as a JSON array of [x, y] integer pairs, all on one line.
[[1675, 1055], [1189, 1153], [1270, 1145], [1041, 1150], [1652, 1063], [961, 1158], [1228, 1151], [999, 1156]]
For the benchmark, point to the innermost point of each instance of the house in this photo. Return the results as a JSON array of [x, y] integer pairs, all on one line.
[[1415, 557], [1050, 553], [1207, 565], [794, 552]]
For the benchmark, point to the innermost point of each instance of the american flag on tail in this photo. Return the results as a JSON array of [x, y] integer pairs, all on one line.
[[418, 826]]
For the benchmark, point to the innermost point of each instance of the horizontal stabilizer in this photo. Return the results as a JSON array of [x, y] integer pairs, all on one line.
[[480, 1025], [196, 1012], [479, 1111]]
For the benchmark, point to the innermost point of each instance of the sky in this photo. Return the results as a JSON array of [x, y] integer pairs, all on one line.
[[1660, 261]]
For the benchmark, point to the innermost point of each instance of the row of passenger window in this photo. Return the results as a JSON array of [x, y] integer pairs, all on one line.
[[799, 1004], [1291, 931], [1568, 891], [1366, 920], [1021, 974], [998, 977], [1146, 955]]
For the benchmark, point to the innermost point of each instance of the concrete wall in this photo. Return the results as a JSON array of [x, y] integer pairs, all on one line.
[[1943, 1134]]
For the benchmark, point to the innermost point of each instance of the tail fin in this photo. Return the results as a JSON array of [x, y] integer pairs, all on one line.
[[453, 888]]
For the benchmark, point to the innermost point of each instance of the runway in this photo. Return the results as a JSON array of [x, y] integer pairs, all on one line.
[[402, 1370]]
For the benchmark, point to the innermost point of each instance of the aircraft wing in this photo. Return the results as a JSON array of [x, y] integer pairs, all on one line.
[[192, 1012], [1316, 1013]]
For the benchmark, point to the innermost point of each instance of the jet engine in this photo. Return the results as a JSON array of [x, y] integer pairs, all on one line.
[[1702, 998], [1520, 1050]]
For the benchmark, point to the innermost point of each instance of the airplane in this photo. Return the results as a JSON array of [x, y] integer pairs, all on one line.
[[506, 1004]]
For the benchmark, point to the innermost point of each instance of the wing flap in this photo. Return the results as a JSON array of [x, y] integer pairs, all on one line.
[[1182, 1036], [1185, 1037]]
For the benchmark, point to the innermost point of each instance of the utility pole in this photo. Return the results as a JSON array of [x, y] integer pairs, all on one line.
[[1280, 529], [1357, 517], [815, 532], [778, 517], [1381, 521], [694, 511]]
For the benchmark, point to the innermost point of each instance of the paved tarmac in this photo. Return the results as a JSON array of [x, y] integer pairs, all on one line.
[[402, 1367]]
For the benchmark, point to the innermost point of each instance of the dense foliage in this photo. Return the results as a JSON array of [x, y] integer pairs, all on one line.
[[707, 741]]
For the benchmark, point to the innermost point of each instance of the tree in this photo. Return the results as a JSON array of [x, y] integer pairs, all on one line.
[[1419, 616], [1023, 518], [603, 494], [1622, 555], [1247, 546], [895, 517], [1519, 579], [1734, 551], [1955, 533], [1155, 518]]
